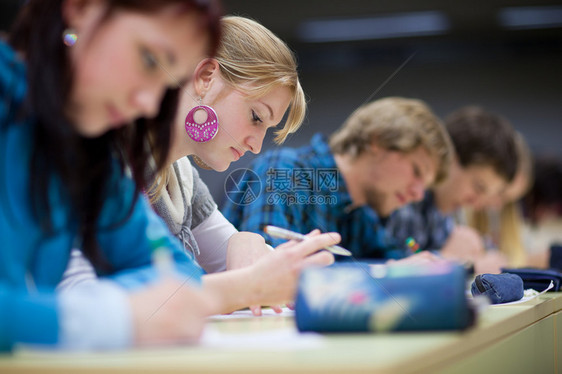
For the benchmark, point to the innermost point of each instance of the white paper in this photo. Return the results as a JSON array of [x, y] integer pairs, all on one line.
[[266, 312]]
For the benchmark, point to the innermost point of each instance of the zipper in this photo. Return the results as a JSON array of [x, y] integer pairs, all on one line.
[[479, 284]]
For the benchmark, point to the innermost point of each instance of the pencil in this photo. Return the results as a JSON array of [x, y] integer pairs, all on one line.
[[162, 258], [279, 232]]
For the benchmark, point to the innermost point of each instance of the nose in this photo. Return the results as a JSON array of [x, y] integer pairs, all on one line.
[[478, 203], [471, 199], [147, 101], [417, 191], [254, 142]]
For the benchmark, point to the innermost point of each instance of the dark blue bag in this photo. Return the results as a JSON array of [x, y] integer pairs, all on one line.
[[360, 298], [555, 260], [538, 279], [499, 288]]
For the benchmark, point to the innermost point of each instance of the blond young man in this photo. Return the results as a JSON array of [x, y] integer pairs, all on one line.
[[384, 156]]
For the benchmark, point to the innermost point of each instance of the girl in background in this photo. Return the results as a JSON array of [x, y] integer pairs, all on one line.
[[501, 222], [240, 93], [542, 208], [247, 88]]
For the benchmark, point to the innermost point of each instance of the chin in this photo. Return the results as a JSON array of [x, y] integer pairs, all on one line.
[[91, 131], [89, 127], [384, 213], [221, 168], [389, 208]]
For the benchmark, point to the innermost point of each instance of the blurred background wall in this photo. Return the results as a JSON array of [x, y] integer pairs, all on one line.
[[503, 55]]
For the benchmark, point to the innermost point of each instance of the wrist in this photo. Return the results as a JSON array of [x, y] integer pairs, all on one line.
[[234, 289], [253, 296]]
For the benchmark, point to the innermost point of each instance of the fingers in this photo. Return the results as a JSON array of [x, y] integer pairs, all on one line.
[[256, 310], [322, 258], [429, 256], [423, 257], [285, 245], [314, 243], [313, 233], [291, 306]]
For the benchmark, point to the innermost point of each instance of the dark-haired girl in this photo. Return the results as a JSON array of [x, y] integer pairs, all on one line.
[[82, 83]]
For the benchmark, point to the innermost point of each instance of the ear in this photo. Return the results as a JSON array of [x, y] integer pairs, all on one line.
[[205, 75], [77, 14]]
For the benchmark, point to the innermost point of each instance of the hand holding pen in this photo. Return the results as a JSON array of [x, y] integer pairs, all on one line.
[[274, 277], [279, 232], [167, 310]]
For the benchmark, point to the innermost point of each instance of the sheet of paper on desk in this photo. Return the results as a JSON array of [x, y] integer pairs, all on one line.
[[273, 340], [246, 313], [527, 296]]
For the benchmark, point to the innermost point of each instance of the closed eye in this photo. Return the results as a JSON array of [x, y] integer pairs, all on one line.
[[417, 171], [479, 188], [148, 59], [256, 118]]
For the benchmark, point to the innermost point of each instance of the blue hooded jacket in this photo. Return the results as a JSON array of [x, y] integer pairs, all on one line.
[[32, 261]]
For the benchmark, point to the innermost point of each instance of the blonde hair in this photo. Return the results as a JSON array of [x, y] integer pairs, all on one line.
[[510, 241], [251, 55], [396, 124], [255, 61]]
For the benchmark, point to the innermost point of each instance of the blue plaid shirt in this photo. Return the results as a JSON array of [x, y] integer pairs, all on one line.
[[422, 221], [302, 190]]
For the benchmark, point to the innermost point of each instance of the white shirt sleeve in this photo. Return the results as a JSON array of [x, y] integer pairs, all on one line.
[[95, 315], [79, 270], [212, 237]]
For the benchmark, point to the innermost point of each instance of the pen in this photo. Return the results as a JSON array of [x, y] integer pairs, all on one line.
[[413, 245], [162, 259], [278, 232]]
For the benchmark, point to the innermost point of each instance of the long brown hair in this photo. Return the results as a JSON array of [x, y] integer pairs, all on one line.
[[84, 166]]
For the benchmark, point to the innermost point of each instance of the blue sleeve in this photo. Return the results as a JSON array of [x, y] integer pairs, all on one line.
[[24, 317], [407, 222], [27, 318], [441, 227], [126, 245]]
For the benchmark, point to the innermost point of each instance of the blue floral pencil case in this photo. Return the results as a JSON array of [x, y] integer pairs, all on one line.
[[360, 298]]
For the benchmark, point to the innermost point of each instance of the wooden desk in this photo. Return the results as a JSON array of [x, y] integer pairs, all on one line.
[[523, 338]]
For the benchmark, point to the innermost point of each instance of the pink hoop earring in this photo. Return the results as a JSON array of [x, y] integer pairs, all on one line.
[[205, 131]]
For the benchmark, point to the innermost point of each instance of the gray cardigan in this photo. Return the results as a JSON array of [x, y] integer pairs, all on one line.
[[184, 205]]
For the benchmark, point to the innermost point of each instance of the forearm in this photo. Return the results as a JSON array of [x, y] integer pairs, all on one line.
[[234, 289]]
